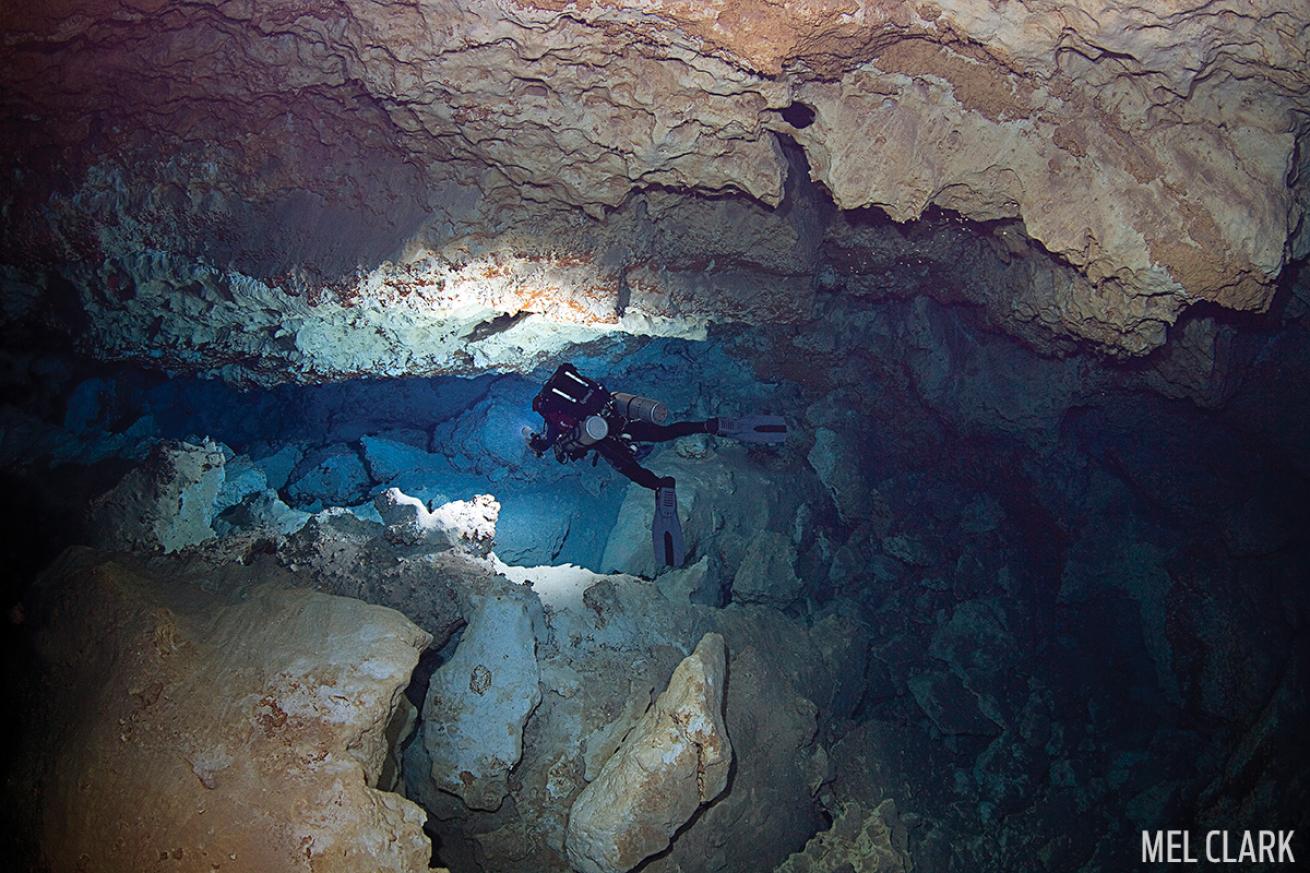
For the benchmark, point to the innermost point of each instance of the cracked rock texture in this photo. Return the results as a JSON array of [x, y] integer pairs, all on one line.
[[200, 729], [589, 654], [276, 192], [672, 762], [166, 504], [478, 702], [860, 840]]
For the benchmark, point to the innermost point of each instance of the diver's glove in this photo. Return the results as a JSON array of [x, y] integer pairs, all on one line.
[[768, 429]]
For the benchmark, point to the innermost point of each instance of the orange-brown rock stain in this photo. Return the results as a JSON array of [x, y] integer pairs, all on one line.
[[979, 85]]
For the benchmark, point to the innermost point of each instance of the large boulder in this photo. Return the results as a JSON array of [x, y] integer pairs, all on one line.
[[675, 760], [166, 503], [488, 441], [607, 646], [478, 702], [244, 728]]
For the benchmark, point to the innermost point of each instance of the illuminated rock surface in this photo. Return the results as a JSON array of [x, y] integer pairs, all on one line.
[[236, 730], [388, 189], [467, 524], [674, 760]]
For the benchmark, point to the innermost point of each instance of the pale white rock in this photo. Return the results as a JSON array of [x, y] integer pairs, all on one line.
[[479, 700], [466, 524], [1123, 169], [675, 760]]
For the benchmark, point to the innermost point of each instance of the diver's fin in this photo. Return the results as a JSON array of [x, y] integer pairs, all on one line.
[[755, 429], [666, 531]]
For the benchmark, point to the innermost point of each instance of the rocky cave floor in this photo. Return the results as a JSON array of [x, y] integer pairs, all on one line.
[[986, 610]]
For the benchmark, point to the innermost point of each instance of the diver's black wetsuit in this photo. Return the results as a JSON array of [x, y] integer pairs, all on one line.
[[581, 416], [569, 397], [619, 455]]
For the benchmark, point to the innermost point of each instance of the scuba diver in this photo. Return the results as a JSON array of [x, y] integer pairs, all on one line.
[[581, 417]]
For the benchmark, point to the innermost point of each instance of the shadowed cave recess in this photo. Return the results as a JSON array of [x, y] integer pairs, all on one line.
[[287, 589]]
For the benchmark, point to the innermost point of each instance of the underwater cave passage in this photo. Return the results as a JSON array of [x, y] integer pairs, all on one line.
[[520, 458], [1042, 544]]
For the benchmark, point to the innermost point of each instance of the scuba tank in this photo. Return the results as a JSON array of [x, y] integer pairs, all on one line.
[[583, 413], [574, 407], [585, 434], [636, 408]]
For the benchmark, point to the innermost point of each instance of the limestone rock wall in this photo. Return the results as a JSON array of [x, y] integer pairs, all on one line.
[[281, 192], [243, 730], [1149, 147]]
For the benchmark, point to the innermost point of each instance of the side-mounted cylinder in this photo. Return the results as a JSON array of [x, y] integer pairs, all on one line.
[[587, 432], [637, 408]]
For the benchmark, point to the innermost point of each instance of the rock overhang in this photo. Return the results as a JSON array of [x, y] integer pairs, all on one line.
[[365, 190]]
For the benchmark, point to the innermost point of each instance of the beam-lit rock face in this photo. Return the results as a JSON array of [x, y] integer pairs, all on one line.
[[312, 191]]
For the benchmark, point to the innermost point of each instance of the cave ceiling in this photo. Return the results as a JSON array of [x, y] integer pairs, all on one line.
[[302, 190]]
